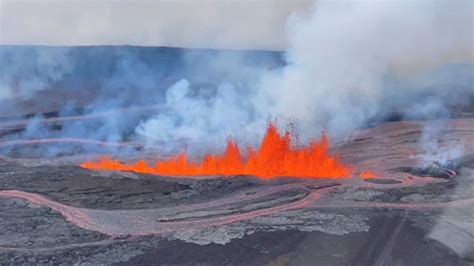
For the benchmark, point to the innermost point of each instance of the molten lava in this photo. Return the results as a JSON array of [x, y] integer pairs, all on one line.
[[367, 175], [276, 156]]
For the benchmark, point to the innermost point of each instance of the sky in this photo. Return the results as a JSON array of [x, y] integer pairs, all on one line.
[[234, 24]]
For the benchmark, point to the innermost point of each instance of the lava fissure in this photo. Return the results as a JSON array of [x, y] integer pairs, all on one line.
[[276, 156]]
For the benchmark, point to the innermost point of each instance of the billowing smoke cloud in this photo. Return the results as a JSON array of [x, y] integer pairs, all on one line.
[[351, 60], [213, 103], [350, 63], [195, 118]]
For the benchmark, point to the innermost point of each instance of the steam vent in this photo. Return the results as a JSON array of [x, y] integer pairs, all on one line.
[[212, 132]]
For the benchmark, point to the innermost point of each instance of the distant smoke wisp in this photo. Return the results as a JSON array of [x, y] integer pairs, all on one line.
[[32, 70]]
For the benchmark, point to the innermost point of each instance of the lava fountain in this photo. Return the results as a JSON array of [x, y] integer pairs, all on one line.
[[276, 156]]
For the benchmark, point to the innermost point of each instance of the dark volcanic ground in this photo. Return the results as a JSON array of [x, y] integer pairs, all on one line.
[[53, 212], [339, 222]]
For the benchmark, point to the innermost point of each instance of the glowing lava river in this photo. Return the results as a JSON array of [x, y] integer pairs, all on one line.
[[219, 212]]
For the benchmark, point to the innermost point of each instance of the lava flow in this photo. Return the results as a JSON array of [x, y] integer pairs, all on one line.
[[276, 156]]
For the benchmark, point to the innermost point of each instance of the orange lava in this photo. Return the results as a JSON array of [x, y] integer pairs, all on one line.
[[276, 156], [367, 175]]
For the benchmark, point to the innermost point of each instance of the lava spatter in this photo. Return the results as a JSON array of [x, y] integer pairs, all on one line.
[[276, 156]]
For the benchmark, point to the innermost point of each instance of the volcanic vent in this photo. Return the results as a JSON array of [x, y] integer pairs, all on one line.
[[275, 157]]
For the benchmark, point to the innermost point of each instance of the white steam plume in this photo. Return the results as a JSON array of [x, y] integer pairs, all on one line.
[[348, 62], [343, 55]]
